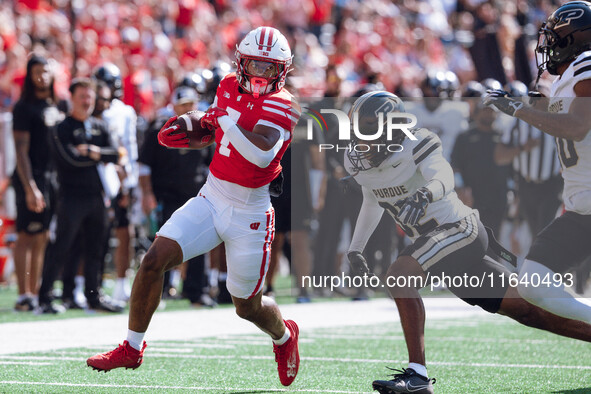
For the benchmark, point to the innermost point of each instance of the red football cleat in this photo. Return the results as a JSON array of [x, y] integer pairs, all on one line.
[[287, 355], [124, 356]]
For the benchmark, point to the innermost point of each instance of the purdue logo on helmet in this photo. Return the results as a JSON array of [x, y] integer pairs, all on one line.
[[369, 115], [565, 34]]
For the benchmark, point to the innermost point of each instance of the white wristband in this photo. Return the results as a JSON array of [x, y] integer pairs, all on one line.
[[436, 188]]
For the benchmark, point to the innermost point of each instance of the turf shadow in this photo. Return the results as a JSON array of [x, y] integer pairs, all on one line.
[[585, 390]]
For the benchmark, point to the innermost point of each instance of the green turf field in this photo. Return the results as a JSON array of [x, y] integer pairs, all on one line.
[[488, 354]]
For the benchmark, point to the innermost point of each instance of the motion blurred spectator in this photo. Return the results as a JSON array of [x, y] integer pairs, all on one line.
[[33, 117]]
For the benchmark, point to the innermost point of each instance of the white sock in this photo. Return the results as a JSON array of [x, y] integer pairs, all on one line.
[[418, 368], [283, 339], [79, 282], [135, 339], [22, 297], [551, 298]]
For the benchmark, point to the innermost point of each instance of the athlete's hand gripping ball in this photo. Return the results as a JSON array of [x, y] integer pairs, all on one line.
[[210, 119], [171, 136]]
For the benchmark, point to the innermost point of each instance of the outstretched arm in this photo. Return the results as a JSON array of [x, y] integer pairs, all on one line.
[[573, 125]]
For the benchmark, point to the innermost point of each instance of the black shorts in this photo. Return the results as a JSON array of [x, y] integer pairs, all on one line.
[[122, 213], [28, 221], [564, 243], [282, 206], [459, 249]]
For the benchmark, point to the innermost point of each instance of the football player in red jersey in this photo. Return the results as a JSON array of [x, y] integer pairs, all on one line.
[[253, 117]]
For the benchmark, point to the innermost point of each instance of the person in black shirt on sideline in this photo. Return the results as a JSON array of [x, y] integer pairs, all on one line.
[[79, 144], [473, 158], [33, 116], [170, 177]]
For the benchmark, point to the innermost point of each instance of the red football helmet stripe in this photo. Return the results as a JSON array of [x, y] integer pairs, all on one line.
[[270, 40], [262, 38]]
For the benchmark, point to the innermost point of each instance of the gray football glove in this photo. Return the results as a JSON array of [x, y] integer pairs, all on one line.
[[358, 263], [413, 208], [503, 101]]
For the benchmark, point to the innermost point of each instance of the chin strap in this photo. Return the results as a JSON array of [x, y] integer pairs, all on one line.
[[540, 72]]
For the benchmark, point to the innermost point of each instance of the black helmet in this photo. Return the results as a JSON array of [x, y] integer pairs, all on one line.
[[213, 78], [565, 34], [452, 83], [516, 89], [111, 75], [441, 84], [473, 89], [194, 81], [366, 110], [434, 84], [491, 84]]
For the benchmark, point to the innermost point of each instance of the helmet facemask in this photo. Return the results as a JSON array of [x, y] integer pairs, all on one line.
[[545, 50], [260, 76]]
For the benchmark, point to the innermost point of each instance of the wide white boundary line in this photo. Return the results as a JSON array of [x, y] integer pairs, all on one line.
[[320, 359]]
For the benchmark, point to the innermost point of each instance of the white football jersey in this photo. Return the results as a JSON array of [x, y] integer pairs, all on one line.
[[121, 120], [447, 121], [400, 175], [575, 156]]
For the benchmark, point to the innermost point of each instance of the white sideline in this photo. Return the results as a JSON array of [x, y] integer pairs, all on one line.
[[185, 325]]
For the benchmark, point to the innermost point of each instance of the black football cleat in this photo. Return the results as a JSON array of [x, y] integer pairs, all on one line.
[[407, 381]]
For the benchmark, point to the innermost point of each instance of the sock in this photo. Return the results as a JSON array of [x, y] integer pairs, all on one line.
[[283, 339], [418, 368], [79, 281], [135, 339], [21, 297], [553, 299], [35, 299]]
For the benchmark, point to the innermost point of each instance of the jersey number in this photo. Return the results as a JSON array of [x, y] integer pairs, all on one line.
[[567, 152], [420, 228], [225, 142]]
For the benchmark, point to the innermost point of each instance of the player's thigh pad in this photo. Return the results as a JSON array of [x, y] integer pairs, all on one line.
[[192, 227], [445, 240], [248, 250], [564, 243], [455, 253]]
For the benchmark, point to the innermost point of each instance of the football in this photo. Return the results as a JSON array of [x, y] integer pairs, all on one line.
[[190, 123]]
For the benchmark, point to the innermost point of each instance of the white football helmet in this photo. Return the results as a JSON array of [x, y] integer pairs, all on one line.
[[263, 60]]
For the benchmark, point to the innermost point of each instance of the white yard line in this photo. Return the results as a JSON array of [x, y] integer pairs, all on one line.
[[186, 325]]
